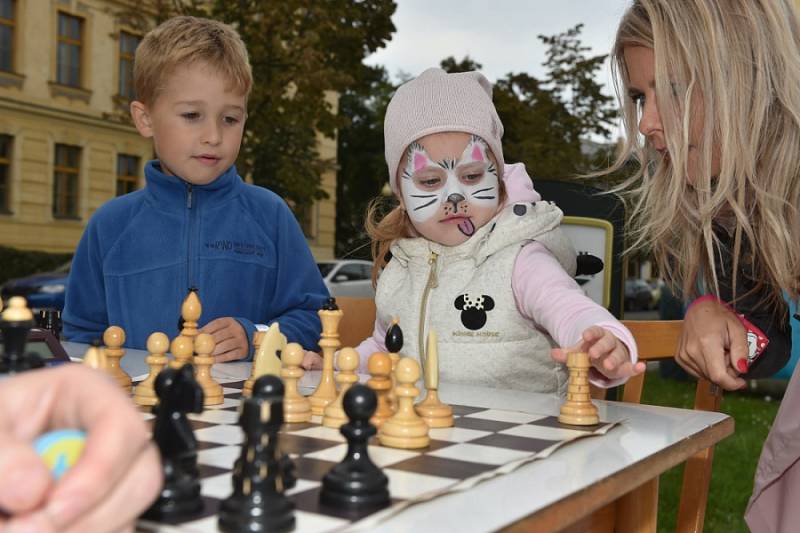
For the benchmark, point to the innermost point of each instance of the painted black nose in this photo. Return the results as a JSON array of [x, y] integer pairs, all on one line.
[[455, 199]]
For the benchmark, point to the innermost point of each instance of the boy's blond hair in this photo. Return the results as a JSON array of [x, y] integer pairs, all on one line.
[[181, 41]]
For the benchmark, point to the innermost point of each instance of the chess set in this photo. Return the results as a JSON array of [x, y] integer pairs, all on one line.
[[258, 455]]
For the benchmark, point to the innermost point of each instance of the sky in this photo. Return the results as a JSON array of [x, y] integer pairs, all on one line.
[[499, 34]]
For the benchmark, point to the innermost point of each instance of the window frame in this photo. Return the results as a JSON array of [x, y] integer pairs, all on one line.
[[127, 178], [69, 41], [129, 57], [12, 23], [58, 191], [6, 160]]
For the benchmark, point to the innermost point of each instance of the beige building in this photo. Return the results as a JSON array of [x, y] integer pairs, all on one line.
[[66, 143]]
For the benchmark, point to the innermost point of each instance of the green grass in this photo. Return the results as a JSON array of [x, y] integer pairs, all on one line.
[[735, 458]]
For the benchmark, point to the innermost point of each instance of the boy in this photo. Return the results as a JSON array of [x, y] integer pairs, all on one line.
[[196, 223]]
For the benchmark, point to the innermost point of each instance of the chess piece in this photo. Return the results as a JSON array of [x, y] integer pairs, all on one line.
[[296, 407], [266, 359], [203, 361], [394, 343], [50, 319], [380, 368], [95, 356], [578, 409], [157, 345], [405, 429], [114, 338], [435, 413], [178, 394], [356, 483], [15, 322], [330, 315], [182, 348], [347, 361], [261, 473], [190, 314]]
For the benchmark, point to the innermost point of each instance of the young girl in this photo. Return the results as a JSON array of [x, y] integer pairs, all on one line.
[[475, 255], [714, 89]]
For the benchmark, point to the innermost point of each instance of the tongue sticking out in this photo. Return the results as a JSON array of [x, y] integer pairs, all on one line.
[[466, 227]]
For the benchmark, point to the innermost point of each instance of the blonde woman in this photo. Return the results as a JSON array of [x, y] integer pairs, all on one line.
[[713, 88]]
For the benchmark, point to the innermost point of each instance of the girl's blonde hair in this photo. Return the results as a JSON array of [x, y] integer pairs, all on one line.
[[384, 230], [736, 63]]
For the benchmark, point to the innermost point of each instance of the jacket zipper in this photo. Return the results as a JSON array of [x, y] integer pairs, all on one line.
[[190, 234], [432, 283]]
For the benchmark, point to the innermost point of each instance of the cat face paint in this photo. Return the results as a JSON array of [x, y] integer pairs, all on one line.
[[450, 199]]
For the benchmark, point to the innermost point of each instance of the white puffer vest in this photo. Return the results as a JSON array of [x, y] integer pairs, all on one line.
[[464, 293]]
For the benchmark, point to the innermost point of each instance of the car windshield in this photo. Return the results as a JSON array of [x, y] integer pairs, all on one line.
[[325, 268]]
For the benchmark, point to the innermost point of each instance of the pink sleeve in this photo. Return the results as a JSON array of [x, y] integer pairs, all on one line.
[[549, 297], [370, 345]]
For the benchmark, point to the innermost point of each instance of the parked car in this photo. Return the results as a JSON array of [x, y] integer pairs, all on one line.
[[638, 295], [348, 277], [43, 291]]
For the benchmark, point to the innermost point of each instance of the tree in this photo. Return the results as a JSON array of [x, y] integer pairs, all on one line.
[[362, 167], [302, 53], [546, 121]]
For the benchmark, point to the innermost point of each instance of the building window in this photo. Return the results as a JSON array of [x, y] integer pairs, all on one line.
[[65, 181], [7, 24], [127, 47], [5, 173], [70, 43], [127, 174]]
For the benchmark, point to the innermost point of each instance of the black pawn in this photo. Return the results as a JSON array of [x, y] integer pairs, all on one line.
[[15, 337], [356, 484], [394, 338], [178, 393], [262, 473]]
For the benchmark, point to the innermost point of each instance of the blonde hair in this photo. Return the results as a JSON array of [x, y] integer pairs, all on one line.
[[740, 61], [184, 40], [384, 230]]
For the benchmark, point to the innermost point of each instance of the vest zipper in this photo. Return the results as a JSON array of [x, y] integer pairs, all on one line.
[[190, 235], [432, 283]]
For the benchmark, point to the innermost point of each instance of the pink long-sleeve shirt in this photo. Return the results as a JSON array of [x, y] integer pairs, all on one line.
[[544, 292]]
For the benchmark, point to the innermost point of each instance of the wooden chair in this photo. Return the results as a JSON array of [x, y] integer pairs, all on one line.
[[658, 340], [358, 320]]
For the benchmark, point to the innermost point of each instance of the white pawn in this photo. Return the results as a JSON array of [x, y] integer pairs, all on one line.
[[347, 361], [212, 391], [95, 357], [182, 348], [296, 407], [405, 429], [157, 345], [114, 338]]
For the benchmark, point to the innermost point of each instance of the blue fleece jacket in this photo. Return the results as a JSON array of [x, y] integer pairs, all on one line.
[[238, 244]]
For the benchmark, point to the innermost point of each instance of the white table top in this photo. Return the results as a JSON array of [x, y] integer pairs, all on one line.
[[644, 432]]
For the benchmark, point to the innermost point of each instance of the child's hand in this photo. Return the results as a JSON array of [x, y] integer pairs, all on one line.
[[606, 353], [312, 361], [230, 338]]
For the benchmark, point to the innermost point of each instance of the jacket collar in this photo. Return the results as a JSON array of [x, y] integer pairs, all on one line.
[[171, 192]]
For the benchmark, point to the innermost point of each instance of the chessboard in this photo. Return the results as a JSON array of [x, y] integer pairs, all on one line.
[[483, 443]]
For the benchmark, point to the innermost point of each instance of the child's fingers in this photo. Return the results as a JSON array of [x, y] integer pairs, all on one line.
[[559, 355], [592, 334], [604, 347], [25, 478]]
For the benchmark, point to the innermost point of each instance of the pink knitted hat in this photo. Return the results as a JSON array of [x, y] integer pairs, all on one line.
[[436, 102]]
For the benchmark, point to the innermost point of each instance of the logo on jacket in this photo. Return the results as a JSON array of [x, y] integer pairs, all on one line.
[[473, 309]]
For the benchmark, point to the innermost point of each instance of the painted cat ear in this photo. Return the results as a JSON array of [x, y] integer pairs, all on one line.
[[417, 158], [475, 150]]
